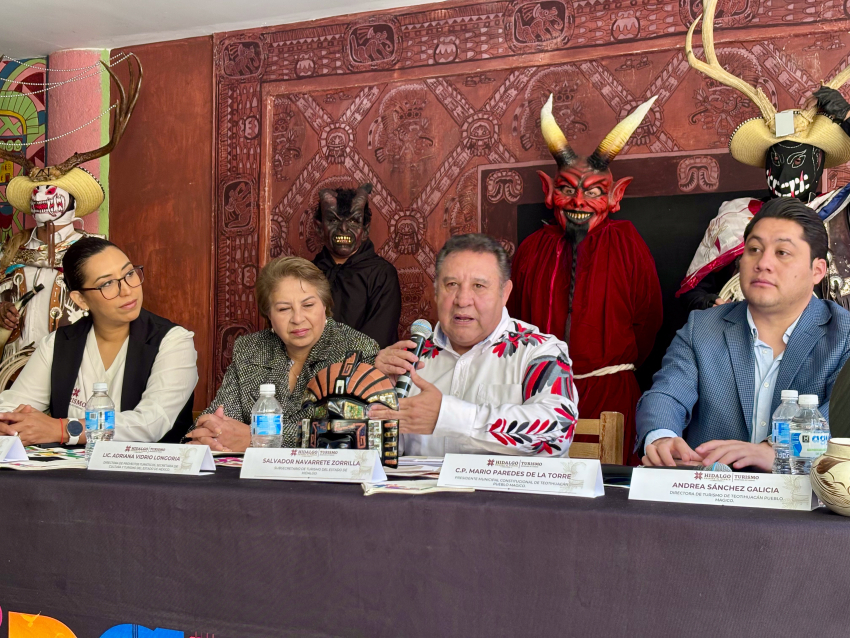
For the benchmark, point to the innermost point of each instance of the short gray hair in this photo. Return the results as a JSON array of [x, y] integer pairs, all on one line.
[[477, 243]]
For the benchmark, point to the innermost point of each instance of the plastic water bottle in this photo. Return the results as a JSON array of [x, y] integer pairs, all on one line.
[[100, 418], [809, 435], [266, 419], [781, 438]]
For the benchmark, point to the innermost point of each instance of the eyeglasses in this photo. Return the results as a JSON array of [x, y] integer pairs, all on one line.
[[112, 288]]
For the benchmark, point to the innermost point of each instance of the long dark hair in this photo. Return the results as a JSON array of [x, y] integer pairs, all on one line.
[[76, 257]]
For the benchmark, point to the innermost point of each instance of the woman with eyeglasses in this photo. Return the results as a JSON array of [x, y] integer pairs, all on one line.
[[147, 362]]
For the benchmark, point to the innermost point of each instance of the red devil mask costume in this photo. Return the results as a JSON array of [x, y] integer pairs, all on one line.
[[584, 193], [588, 278]]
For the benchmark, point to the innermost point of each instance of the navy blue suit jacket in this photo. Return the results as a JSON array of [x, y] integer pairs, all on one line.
[[704, 389]]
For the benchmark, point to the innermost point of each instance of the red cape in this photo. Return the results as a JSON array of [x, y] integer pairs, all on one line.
[[616, 309]]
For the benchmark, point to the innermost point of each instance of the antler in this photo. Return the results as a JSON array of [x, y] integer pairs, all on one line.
[[717, 72], [123, 111], [18, 158]]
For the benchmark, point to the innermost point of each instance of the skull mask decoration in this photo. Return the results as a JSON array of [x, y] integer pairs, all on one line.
[[49, 203], [342, 220], [584, 193], [55, 195], [794, 170], [794, 161]]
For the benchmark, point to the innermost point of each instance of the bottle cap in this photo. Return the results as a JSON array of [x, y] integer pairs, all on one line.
[[789, 394], [809, 399], [100, 387], [267, 388]]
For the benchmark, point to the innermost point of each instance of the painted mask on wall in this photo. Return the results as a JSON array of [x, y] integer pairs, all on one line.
[[794, 169], [49, 203], [583, 192], [343, 219]]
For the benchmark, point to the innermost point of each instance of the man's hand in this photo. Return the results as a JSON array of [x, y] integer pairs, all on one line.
[[416, 415], [664, 452], [9, 315], [395, 360], [737, 454], [720, 301], [31, 425], [221, 433]]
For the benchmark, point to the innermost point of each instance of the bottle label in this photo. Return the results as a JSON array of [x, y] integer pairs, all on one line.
[[267, 424], [782, 432], [808, 445], [95, 418]]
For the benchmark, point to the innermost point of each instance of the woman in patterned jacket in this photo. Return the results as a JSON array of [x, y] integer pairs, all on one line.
[[296, 299]]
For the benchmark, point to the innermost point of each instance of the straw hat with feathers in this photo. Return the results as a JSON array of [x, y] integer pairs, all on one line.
[[87, 191], [752, 139]]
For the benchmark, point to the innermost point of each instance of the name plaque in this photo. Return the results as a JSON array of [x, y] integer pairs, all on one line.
[[737, 489], [11, 449], [312, 464], [533, 475], [151, 458]]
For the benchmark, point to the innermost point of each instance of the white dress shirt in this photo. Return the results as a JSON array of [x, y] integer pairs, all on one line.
[[766, 369], [512, 393], [172, 380]]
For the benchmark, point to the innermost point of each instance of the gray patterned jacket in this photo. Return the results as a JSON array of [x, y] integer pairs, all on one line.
[[260, 357]]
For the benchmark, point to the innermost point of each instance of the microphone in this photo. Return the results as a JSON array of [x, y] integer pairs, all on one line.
[[419, 332]]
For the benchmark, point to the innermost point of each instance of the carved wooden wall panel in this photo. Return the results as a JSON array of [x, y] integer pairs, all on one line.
[[438, 108]]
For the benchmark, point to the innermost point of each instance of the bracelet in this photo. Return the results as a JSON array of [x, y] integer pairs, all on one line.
[[61, 432]]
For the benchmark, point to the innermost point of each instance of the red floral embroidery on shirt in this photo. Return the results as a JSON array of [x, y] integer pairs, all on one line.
[[429, 350], [552, 374], [507, 345], [534, 433]]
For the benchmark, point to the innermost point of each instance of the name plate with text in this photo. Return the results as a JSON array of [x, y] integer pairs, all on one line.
[[309, 464], [152, 458], [11, 449], [534, 475], [738, 489]]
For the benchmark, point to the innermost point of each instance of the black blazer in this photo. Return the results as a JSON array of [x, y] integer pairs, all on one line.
[[146, 334]]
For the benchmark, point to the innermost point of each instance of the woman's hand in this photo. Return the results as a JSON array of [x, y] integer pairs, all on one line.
[[221, 433], [31, 425]]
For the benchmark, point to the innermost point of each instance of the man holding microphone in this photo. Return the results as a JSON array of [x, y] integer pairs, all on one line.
[[486, 383]]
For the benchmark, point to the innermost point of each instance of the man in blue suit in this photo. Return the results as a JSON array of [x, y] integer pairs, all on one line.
[[722, 375]]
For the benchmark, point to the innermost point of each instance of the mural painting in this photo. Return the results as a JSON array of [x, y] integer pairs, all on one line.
[[23, 122]]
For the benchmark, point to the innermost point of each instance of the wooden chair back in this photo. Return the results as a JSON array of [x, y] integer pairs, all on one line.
[[608, 430]]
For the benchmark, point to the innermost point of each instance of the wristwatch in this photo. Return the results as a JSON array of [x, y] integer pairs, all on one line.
[[74, 430]]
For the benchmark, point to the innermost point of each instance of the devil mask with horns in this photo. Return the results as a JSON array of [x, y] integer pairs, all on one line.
[[583, 192], [342, 220]]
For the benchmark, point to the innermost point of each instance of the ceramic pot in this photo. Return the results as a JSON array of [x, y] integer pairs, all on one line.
[[830, 476]]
